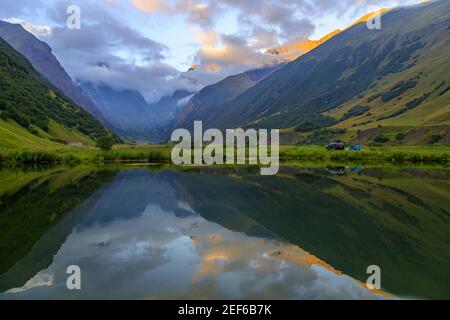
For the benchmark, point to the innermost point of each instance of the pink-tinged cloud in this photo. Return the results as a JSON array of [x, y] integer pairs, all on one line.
[[151, 5]]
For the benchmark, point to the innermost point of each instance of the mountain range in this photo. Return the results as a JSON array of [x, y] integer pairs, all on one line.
[[124, 111], [358, 84], [33, 111], [40, 55], [211, 99], [130, 115]]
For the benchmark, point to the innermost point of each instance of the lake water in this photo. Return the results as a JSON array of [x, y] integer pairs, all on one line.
[[160, 233]]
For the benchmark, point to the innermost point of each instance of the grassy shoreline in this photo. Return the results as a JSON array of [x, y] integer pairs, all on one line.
[[396, 154], [161, 153]]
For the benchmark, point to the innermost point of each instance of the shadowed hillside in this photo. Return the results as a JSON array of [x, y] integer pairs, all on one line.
[[35, 105], [41, 57]]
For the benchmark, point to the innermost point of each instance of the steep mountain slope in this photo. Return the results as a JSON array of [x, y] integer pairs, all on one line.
[[29, 101], [292, 51], [399, 75], [210, 100], [169, 106], [122, 109], [127, 112], [40, 55]]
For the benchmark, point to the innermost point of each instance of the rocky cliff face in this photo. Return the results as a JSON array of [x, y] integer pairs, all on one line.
[[129, 114]]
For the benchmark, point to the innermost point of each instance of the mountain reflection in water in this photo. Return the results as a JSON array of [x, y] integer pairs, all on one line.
[[224, 233]]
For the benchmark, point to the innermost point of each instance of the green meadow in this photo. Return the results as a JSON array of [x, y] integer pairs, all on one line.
[[18, 146], [162, 153]]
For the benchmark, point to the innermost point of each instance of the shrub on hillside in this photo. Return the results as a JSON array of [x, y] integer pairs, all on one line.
[[355, 111], [381, 138], [400, 136], [436, 138]]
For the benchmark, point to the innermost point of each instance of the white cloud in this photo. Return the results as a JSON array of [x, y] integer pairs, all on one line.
[[38, 31], [135, 61]]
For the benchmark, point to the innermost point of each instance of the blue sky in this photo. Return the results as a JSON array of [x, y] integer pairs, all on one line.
[[148, 45]]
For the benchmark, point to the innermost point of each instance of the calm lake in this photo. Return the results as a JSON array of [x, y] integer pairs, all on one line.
[[160, 233]]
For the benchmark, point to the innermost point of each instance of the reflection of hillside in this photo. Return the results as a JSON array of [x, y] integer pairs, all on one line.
[[209, 196], [130, 193], [397, 220], [31, 205]]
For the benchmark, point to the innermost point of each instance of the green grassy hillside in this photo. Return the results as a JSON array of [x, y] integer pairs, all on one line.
[[32, 111], [15, 137], [210, 101], [396, 77]]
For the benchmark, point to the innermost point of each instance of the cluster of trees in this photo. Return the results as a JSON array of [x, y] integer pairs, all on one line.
[[105, 143]]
